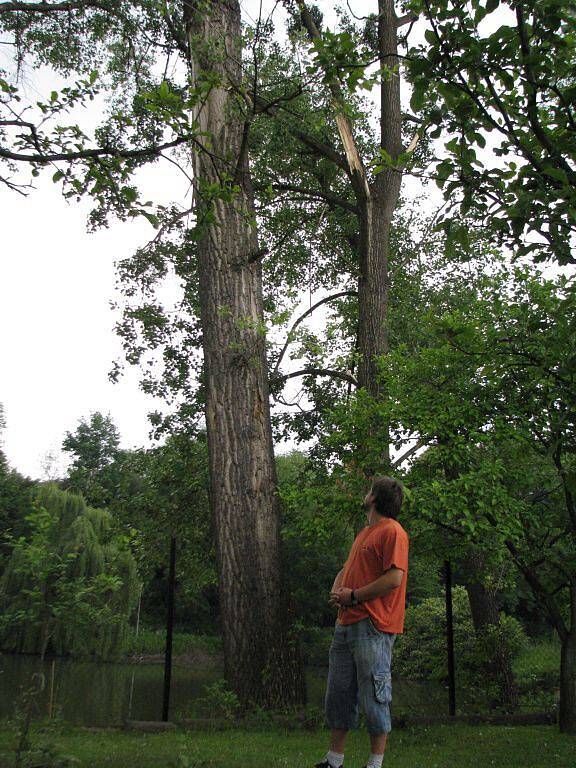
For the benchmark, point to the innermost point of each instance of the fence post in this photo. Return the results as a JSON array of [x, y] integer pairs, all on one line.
[[169, 628], [450, 639]]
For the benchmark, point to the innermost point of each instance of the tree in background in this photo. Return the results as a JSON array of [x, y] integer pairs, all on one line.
[[15, 500], [70, 585], [316, 533], [93, 447], [163, 492]]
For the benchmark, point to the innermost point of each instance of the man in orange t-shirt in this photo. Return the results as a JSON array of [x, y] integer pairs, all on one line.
[[370, 592]]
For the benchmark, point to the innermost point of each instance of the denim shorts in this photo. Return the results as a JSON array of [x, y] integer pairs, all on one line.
[[359, 675]]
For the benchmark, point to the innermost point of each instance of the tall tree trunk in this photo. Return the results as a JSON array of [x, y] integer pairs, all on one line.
[[260, 662], [378, 209], [567, 713], [376, 203], [486, 620]]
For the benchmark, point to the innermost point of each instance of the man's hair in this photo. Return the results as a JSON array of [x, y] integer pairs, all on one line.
[[388, 495]]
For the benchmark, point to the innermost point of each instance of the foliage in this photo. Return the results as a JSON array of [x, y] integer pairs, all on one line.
[[27, 754], [495, 80], [16, 493], [154, 494], [220, 701], [540, 659], [93, 447], [315, 537], [150, 642], [71, 585], [420, 653], [163, 492]]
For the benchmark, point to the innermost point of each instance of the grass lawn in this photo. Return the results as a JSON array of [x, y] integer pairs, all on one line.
[[457, 746]]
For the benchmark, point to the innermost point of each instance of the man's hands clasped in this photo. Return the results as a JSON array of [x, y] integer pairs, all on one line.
[[341, 597]]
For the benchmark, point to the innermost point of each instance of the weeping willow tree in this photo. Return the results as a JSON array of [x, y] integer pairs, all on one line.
[[71, 584]]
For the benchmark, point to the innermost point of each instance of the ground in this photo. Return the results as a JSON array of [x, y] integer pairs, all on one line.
[[455, 746]]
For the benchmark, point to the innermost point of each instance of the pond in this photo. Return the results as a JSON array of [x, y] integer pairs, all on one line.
[[92, 693]]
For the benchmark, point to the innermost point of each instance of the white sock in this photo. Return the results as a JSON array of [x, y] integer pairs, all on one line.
[[335, 759], [375, 761]]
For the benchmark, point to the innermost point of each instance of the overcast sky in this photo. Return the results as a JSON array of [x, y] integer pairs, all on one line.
[[58, 342]]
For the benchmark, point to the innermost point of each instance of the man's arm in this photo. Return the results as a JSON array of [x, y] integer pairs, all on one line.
[[337, 580], [336, 587], [388, 582], [384, 584]]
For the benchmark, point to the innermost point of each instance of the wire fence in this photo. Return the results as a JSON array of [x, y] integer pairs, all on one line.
[[445, 665]]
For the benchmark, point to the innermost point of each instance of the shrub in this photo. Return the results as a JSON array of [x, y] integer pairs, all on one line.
[[219, 701], [421, 652]]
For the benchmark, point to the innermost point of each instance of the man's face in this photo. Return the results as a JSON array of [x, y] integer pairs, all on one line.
[[368, 501]]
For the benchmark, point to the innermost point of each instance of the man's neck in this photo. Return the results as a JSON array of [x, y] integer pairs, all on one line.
[[374, 517]]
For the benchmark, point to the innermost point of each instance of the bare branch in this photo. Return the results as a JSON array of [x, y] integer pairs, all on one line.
[[315, 194], [257, 255], [15, 187], [408, 18], [88, 154], [74, 5], [323, 149], [320, 372], [409, 452], [308, 312]]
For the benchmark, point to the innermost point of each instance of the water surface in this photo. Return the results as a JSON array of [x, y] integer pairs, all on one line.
[[98, 693]]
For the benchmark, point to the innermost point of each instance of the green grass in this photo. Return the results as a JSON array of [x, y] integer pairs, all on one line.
[[457, 746]]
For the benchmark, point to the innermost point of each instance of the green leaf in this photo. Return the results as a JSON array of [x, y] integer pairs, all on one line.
[[152, 218], [418, 95]]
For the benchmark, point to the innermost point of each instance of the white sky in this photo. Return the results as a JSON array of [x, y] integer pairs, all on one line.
[[58, 342]]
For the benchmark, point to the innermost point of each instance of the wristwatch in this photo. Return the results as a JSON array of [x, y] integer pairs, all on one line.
[[353, 599]]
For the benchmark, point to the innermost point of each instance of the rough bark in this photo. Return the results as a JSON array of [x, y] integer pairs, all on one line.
[[377, 211], [486, 620], [260, 662], [376, 202], [567, 710]]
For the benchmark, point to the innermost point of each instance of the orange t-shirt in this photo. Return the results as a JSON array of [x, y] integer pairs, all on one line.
[[376, 549]]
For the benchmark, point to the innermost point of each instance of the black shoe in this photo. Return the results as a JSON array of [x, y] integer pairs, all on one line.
[[324, 764]]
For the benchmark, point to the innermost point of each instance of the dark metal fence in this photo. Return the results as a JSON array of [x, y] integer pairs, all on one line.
[[445, 667]]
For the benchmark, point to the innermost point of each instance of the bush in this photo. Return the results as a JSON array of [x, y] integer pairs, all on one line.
[[421, 652], [219, 701]]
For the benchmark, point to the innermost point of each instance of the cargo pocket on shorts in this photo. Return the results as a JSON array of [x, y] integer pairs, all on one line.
[[382, 687]]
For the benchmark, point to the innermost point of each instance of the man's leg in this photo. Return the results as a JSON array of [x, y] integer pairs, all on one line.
[[377, 748], [378, 744], [341, 702], [373, 655], [338, 740]]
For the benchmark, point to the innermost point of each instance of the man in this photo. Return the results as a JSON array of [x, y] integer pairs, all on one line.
[[370, 592]]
